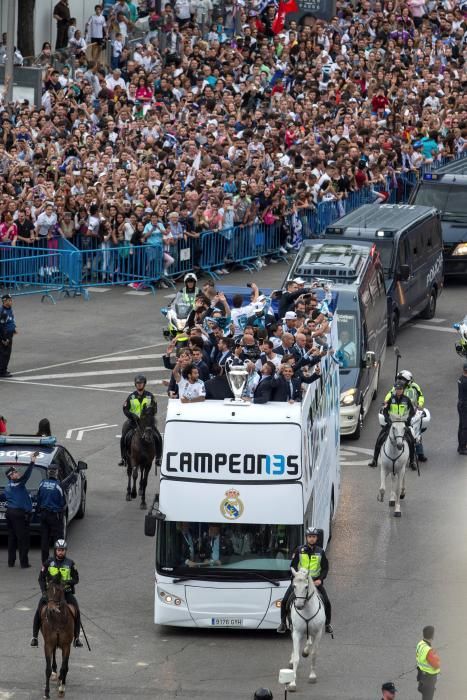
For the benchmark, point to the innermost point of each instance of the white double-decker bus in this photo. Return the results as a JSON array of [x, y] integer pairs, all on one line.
[[238, 486]]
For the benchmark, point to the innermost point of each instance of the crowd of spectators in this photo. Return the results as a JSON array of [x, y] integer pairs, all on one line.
[[213, 121], [281, 345]]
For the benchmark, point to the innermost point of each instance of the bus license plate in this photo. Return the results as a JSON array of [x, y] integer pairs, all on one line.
[[226, 621]]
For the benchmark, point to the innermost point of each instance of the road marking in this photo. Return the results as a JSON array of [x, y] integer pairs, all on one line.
[[83, 427], [89, 429], [61, 386], [436, 320], [136, 293], [347, 453], [433, 328], [99, 373], [103, 360], [117, 384], [100, 290], [93, 357]]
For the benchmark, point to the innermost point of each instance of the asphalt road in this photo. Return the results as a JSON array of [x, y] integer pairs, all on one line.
[[74, 363]]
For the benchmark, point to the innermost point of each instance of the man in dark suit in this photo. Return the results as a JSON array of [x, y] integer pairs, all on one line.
[[218, 387], [214, 546], [263, 391], [286, 387], [187, 546]]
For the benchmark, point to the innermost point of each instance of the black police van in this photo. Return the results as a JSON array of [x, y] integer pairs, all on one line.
[[446, 190], [356, 274], [408, 238]]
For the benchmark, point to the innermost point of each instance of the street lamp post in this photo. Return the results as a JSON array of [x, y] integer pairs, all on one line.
[[10, 50]]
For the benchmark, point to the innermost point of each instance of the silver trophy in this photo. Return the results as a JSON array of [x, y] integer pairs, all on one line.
[[237, 376]]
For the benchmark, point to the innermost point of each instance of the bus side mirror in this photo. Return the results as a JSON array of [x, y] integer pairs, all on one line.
[[81, 465], [404, 273], [370, 359], [150, 522]]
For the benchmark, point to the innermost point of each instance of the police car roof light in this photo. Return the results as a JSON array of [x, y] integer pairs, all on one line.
[[27, 440]]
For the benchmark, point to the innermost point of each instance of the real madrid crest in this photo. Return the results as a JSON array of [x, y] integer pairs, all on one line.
[[231, 505]]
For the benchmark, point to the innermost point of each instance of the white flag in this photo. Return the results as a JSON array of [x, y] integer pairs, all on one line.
[[194, 169]]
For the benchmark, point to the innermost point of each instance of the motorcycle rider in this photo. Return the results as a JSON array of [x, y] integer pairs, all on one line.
[[311, 557], [58, 564], [415, 394], [396, 404], [188, 294], [132, 408]]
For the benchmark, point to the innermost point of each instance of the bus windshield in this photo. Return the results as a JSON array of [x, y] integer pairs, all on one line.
[[347, 351], [198, 550], [449, 199]]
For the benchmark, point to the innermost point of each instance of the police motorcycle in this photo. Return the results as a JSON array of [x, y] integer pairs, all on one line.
[[179, 310], [177, 317], [461, 346]]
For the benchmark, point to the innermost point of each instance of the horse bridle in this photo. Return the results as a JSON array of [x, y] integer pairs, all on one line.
[[306, 598], [400, 453]]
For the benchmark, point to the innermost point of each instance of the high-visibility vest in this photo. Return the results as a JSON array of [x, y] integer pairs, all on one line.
[[63, 568], [422, 652], [311, 562], [399, 408], [136, 406]]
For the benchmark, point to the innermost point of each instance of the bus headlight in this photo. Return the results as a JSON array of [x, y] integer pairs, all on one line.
[[348, 398], [460, 249], [170, 599]]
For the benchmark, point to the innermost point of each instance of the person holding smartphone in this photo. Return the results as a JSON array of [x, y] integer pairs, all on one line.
[[18, 513]]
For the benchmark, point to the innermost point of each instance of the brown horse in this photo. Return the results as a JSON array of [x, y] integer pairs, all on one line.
[[145, 445], [57, 627]]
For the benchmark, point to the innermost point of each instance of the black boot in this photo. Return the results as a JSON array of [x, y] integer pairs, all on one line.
[[36, 625], [329, 629], [282, 629], [77, 642]]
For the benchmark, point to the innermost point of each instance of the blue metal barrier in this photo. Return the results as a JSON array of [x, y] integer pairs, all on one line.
[[118, 265], [185, 255], [26, 270]]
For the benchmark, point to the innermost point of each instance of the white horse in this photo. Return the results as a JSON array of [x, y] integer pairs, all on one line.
[[394, 457], [307, 620]]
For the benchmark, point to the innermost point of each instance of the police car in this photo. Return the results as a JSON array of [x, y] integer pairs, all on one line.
[[17, 450]]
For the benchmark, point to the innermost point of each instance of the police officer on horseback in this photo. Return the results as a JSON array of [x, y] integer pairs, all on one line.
[[58, 564], [399, 405], [132, 408], [51, 504], [312, 558]]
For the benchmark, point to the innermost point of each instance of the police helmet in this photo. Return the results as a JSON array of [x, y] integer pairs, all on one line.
[[140, 379], [405, 375], [52, 471], [60, 544], [190, 276], [400, 384], [312, 531], [263, 694]]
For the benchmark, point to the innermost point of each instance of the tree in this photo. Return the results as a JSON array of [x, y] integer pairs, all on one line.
[[26, 26]]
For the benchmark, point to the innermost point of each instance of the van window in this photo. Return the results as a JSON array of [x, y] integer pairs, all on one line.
[[417, 246], [347, 347]]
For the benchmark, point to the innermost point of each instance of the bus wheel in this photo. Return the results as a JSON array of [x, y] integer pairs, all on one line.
[[393, 326], [430, 309]]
